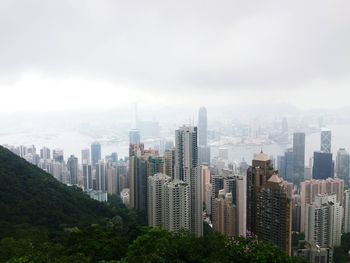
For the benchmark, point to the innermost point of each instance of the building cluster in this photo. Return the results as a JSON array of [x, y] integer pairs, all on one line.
[[96, 176], [183, 188]]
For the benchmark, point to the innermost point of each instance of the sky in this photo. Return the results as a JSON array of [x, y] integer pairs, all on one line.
[[85, 54]]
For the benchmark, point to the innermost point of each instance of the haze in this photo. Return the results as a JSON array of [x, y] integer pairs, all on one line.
[[68, 55]]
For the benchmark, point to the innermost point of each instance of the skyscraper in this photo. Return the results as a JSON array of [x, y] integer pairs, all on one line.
[[326, 140], [257, 176], [95, 153], [343, 165], [134, 136], [274, 213], [309, 189], [346, 211], [156, 185], [323, 221], [299, 156], [323, 167], [85, 156], [72, 165], [87, 176], [45, 153], [202, 127], [187, 170], [57, 155]]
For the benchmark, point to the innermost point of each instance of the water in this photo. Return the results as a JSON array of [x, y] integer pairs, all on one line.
[[72, 143]]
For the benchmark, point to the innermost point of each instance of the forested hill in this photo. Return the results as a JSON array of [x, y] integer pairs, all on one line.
[[28, 195]]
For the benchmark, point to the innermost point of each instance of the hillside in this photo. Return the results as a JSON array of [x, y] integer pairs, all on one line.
[[28, 195]]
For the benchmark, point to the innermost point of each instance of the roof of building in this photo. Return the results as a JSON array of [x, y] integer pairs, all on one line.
[[275, 179], [261, 157]]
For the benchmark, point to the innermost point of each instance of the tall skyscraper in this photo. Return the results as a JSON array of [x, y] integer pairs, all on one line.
[[346, 211], [87, 176], [187, 170], [45, 153], [202, 127], [323, 167], [85, 156], [323, 221], [72, 165], [274, 213], [257, 176], [134, 136], [95, 153], [309, 189], [299, 156], [326, 140], [156, 185], [343, 165], [100, 177], [57, 155]]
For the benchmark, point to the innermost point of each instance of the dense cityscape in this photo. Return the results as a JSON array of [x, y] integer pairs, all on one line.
[[181, 187]]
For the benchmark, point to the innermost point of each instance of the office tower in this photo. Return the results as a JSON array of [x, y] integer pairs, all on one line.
[[85, 156], [134, 136], [309, 189], [343, 165], [274, 213], [176, 206], [299, 156], [202, 127], [114, 157], [57, 155], [296, 210], [112, 182], [205, 175], [100, 177], [289, 165], [169, 162], [156, 183], [204, 155], [257, 176], [323, 167], [95, 153], [87, 176], [45, 153], [323, 221], [326, 141], [187, 170], [346, 206], [72, 165]]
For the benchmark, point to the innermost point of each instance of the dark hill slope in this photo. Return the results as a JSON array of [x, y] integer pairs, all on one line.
[[31, 196]]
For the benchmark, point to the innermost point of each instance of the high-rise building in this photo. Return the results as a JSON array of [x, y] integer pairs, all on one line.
[[45, 153], [326, 140], [309, 189], [58, 155], [299, 156], [346, 203], [187, 170], [169, 162], [296, 210], [134, 136], [85, 156], [202, 127], [343, 165], [95, 153], [323, 166], [176, 206], [156, 185], [257, 176], [229, 203], [274, 213], [72, 165], [286, 165], [100, 177], [87, 176], [323, 221]]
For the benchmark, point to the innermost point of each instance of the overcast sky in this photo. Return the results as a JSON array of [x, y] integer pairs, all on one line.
[[77, 54]]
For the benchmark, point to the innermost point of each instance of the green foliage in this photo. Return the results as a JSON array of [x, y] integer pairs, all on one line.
[[42, 220], [341, 254]]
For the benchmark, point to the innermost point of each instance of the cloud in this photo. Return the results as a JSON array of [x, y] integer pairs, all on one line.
[[159, 48]]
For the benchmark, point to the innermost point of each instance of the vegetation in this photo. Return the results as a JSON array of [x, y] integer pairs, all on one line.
[[42, 220], [341, 254]]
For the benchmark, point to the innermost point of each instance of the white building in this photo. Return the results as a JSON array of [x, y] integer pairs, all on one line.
[[346, 222], [323, 221]]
